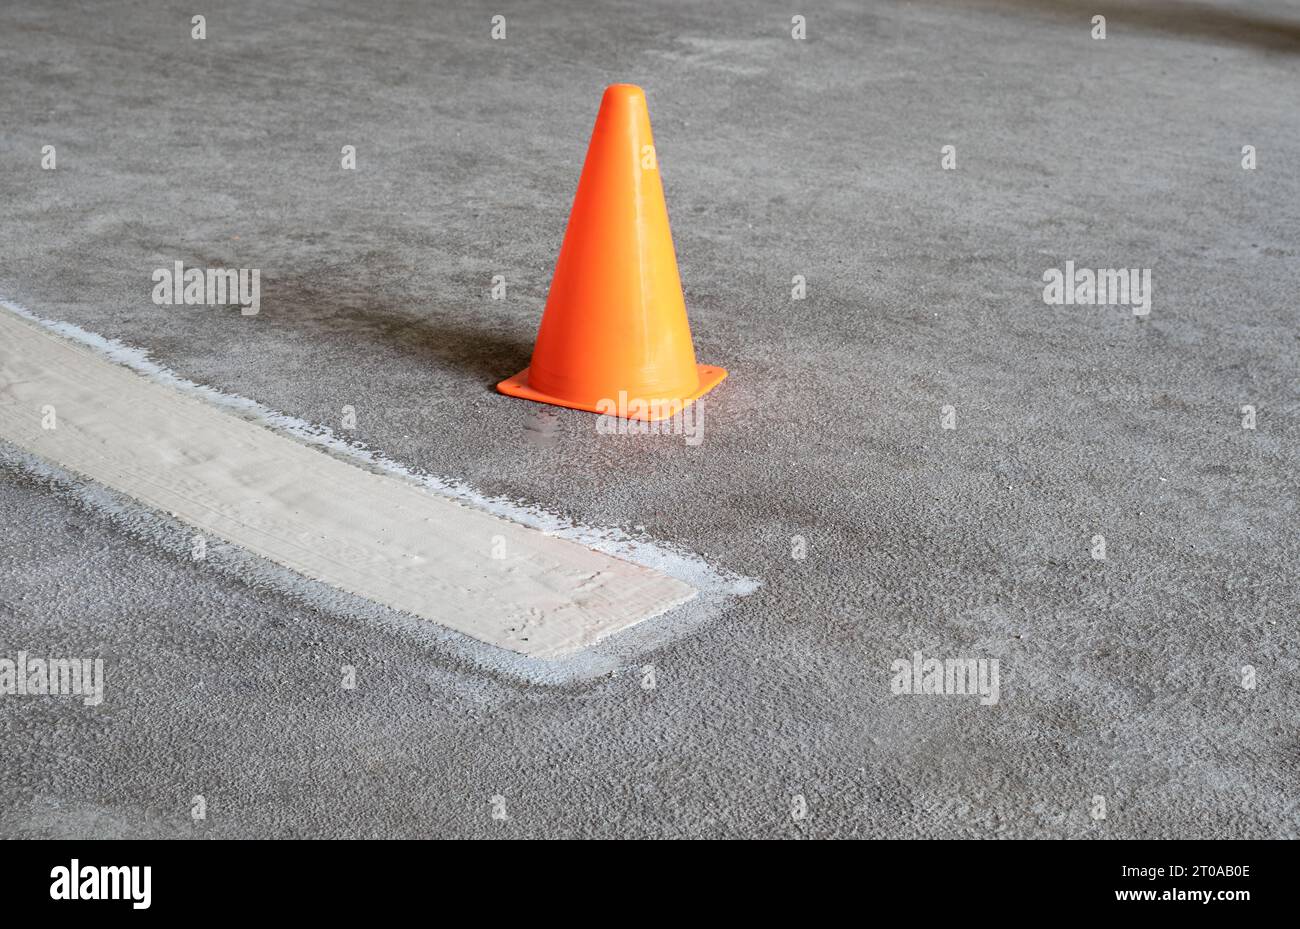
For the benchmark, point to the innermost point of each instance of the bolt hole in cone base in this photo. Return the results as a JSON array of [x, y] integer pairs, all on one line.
[[656, 408]]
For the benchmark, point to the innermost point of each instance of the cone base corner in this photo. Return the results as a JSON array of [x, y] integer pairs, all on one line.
[[710, 377]]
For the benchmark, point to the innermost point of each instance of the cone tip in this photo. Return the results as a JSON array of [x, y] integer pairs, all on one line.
[[623, 91]]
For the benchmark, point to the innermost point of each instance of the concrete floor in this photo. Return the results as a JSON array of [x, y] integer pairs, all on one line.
[[820, 158]]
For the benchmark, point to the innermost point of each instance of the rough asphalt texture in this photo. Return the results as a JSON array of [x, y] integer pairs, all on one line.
[[1120, 678]]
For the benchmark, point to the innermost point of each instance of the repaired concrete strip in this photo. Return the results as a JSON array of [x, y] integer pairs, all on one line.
[[369, 534]]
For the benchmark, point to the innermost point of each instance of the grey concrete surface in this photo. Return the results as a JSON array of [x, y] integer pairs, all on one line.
[[820, 157]]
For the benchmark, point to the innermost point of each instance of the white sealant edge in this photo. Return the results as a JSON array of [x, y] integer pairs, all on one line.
[[670, 560]]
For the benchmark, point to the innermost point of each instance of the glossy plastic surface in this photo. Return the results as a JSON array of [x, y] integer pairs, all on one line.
[[615, 320]]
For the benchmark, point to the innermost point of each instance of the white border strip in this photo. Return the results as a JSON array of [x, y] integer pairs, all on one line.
[[682, 566]]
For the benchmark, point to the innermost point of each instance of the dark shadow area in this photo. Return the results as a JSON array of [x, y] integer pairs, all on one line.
[[1190, 20], [471, 338]]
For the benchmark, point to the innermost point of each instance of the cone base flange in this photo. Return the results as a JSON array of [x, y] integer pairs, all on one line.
[[710, 377]]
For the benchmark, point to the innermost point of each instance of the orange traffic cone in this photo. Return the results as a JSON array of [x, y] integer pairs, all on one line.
[[614, 337]]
